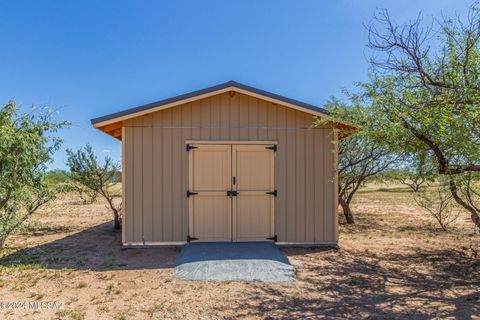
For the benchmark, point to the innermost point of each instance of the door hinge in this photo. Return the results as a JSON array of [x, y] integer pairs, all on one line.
[[273, 193], [190, 147], [274, 238], [272, 147], [191, 193], [189, 239], [232, 193]]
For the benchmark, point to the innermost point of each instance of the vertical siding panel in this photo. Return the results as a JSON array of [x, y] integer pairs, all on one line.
[[186, 135], [243, 117], [291, 176], [215, 118], [157, 177], [225, 116], [123, 168], [309, 183], [234, 116], [167, 176], [147, 181], [262, 120], [329, 184], [319, 184], [335, 188], [196, 120], [128, 182], [205, 118], [300, 177], [278, 114], [177, 194], [137, 180], [272, 123], [252, 118]]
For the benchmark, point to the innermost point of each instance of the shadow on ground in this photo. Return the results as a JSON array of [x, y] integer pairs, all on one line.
[[350, 285], [97, 248]]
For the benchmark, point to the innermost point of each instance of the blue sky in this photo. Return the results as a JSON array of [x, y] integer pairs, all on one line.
[[91, 58]]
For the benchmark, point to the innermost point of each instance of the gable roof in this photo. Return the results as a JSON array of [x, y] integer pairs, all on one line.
[[203, 93]]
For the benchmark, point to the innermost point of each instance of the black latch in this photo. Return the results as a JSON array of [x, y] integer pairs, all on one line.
[[189, 239], [232, 193], [273, 193], [190, 147], [274, 238], [272, 147], [191, 193]]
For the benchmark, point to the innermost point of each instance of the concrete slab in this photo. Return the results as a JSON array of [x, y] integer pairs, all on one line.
[[233, 261]]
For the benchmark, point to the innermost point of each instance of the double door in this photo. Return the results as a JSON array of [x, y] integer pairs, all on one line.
[[231, 192]]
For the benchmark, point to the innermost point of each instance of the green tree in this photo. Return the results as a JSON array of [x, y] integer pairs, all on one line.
[[26, 147], [414, 171], [362, 156], [86, 170], [425, 84]]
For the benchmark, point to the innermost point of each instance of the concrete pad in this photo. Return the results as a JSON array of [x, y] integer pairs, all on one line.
[[233, 261]]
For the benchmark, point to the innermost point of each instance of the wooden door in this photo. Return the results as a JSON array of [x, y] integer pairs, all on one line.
[[253, 179], [209, 180]]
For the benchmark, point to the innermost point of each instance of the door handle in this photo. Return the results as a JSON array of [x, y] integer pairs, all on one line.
[[232, 193]]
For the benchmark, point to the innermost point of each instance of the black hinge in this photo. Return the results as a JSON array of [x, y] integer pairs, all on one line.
[[272, 147], [232, 193], [190, 147], [191, 193], [273, 193], [189, 239], [274, 238]]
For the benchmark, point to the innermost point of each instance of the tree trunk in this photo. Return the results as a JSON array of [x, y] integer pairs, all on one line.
[[116, 220], [474, 214], [347, 212]]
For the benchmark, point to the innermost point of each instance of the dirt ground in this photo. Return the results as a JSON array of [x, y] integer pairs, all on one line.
[[393, 264]]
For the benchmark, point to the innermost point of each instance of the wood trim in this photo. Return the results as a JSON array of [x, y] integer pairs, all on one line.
[[206, 95], [279, 102], [333, 244], [163, 107], [124, 192], [230, 206], [153, 243], [233, 200], [190, 199], [229, 142], [272, 198]]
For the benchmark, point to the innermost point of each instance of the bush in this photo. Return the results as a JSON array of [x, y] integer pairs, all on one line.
[[26, 147], [98, 178]]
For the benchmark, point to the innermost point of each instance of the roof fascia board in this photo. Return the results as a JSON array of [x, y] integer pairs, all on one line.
[[162, 107], [279, 102], [206, 95]]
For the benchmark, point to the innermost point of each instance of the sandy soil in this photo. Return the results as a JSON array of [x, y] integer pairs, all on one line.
[[393, 264]]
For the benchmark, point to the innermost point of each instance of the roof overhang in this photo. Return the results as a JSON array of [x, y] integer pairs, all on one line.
[[112, 123]]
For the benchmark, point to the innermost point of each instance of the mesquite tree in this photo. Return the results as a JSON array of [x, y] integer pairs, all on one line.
[[86, 170], [26, 147], [436, 201], [414, 171], [426, 84], [361, 156]]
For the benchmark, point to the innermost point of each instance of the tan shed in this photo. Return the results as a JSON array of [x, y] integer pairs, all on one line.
[[227, 163]]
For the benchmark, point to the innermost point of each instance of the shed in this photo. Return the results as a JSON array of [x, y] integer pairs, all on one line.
[[227, 163]]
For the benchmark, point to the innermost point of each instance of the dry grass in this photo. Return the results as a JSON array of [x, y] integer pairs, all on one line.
[[393, 264]]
